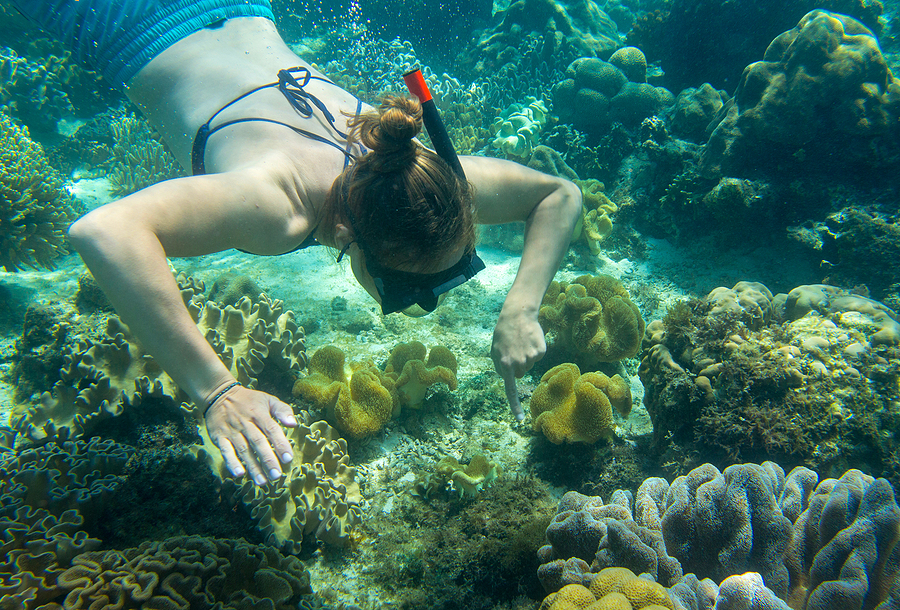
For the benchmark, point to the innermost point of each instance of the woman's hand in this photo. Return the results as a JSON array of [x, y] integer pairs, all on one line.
[[242, 424], [518, 343]]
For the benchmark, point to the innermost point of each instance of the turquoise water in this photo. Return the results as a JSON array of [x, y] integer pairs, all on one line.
[[738, 163]]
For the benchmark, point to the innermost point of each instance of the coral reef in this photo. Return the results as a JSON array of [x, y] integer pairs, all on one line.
[[592, 319], [612, 588], [35, 210], [547, 31], [35, 550], [822, 544], [596, 93], [822, 94], [186, 572], [698, 41], [139, 158], [805, 377], [595, 224], [518, 127], [102, 377], [466, 479], [318, 496], [359, 398], [693, 111], [574, 408]]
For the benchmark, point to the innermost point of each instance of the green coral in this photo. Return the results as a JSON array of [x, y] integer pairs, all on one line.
[[35, 209], [593, 318], [595, 224], [139, 158]]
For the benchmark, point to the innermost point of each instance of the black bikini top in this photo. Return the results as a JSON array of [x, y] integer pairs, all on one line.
[[301, 101]]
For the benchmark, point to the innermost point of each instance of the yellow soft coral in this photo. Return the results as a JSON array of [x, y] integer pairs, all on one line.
[[595, 224], [413, 374], [468, 479], [359, 402], [570, 407], [360, 398], [593, 317], [35, 209]]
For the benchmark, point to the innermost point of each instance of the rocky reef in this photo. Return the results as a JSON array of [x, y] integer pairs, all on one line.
[[807, 377]]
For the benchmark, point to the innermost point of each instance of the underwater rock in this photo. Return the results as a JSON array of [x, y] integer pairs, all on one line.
[[823, 96], [744, 374], [693, 111]]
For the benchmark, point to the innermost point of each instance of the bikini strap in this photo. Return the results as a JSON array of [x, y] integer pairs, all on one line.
[[299, 99]]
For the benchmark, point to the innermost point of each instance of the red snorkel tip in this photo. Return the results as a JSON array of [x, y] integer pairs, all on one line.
[[416, 84]]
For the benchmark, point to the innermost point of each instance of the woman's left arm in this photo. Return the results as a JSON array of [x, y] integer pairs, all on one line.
[[550, 206]]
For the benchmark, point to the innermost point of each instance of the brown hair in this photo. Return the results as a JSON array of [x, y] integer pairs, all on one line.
[[407, 205]]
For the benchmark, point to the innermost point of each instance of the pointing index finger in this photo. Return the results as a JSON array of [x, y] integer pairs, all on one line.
[[512, 395]]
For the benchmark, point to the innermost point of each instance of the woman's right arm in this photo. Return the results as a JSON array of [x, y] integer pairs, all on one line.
[[125, 244]]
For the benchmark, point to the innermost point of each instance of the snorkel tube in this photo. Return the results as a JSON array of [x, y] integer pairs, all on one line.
[[431, 118]]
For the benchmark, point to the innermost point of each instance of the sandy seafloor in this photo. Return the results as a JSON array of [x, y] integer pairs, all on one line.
[[310, 281]]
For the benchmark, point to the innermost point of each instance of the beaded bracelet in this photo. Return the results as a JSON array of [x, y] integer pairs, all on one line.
[[219, 395]]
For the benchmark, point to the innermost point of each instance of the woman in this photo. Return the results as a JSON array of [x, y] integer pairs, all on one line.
[[275, 168]]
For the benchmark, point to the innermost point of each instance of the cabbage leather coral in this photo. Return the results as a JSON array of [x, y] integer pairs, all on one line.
[[592, 318], [35, 550], [468, 479], [358, 406], [318, 496], [595, 224], [103, 376], [186, 572], [35, 209], [359, 398], [821, 544], [574, 408]]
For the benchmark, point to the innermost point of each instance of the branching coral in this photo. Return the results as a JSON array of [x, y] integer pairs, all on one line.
[[35, 211], [571, 407], [593, 318]]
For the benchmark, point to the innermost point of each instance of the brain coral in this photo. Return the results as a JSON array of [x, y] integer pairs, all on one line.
[[318, 495], [186, 572], [744, 374], [567, 406], [823, 93], [592, 318], [597, 93], [35, 211], [823, 546]]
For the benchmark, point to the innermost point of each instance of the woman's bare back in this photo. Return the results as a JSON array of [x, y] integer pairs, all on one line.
[[183, 87]]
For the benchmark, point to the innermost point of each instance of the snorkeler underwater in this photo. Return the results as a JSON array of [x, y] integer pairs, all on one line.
[[522, 304]]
